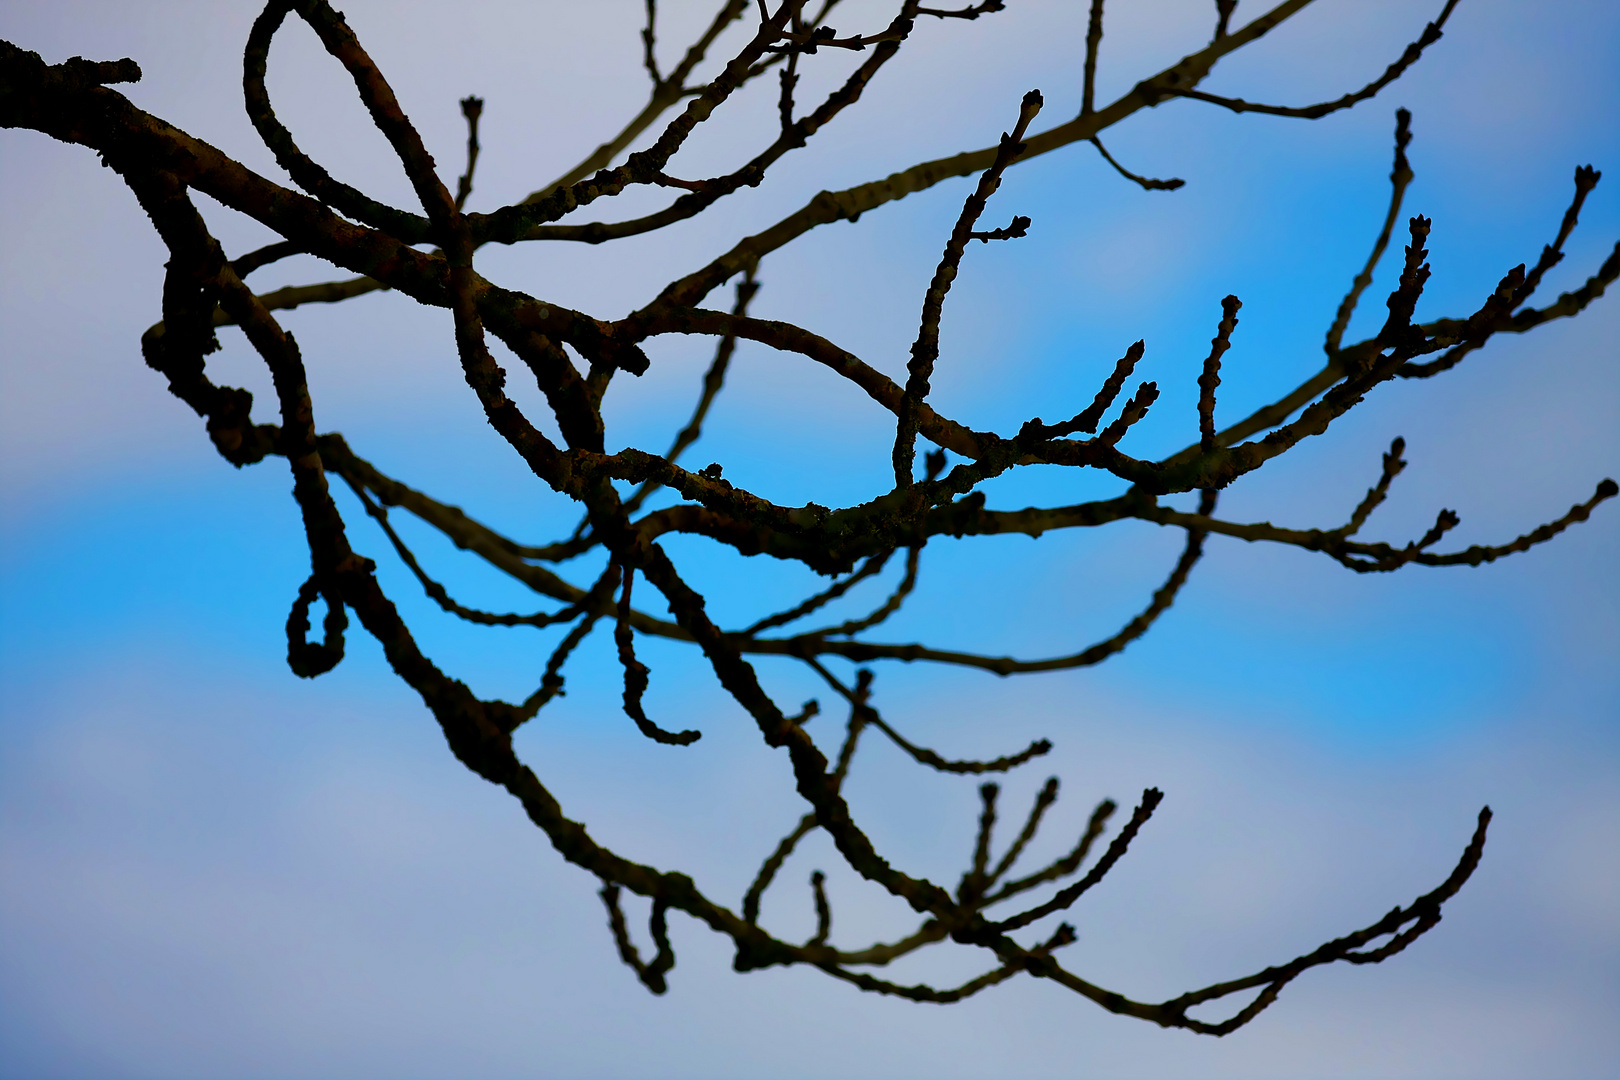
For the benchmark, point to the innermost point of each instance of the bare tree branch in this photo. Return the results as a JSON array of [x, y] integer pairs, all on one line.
[[618, 539]]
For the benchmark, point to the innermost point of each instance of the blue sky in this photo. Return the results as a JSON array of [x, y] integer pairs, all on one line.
[[211, 868]]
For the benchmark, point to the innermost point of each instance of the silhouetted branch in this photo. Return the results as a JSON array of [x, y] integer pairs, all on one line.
[[922, 755], [1431, 34], [243, 265], [823, 909], [1383, 557], [551, 680], [925, 349], [1116, 850], [472, 108], [649, 44], [650, 973], [973, 882], [1402, 926], [1211, 378], [713, 380], [437, 591], [908, 582], [567, 448], [1043, 802], [826, 596], [1586, 179], [1399, 177], [1058, 868], [635, 677], [1393, 464], [1147, 183], [972, 11], [1088, 94]]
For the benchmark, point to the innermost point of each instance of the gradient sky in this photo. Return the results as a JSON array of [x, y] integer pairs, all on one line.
[[210, 868]]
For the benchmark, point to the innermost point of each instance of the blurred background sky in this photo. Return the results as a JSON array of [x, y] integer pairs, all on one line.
[[209, 868]]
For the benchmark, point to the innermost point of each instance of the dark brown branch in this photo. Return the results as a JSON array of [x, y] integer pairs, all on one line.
[[649, 43], [664, 95], [1478, 553], [307, 660], [851, 203], [437, 591], [1032, 823], [412, 228], [713, 380], [846, 754], [977, 877], [790, 338], [1381, 557], [1211, 377], [1135, 409], [1399, 177], [1402, 926], [1064, 866], [635, 677], [465, 532], [972, 11], [551, 680], [292, 296], [1393, 464], [1431, 34], [650, 973], [821, 599], [1586, 178], [1087, 420], [922, 755], [386, 113], [1019, 227], [1094, 34], [818, 882], [101, 72], [243, 265], [1063, 935], [704, 193], [643, 167], [472, 108], [818, 787], [772, 864], [1437, 335], [1066, 897], [925, 349], [842, 205], [202, 290], [1004, 665], [789, 79], [1475, 336], [922, 992], [908, 582], [1147, 183]]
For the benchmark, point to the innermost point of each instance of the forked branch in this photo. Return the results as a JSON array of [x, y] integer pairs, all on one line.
[[574, 358]]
